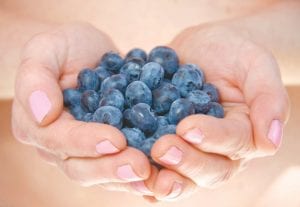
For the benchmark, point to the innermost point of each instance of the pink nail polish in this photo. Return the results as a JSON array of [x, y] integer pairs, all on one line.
[[275, 132], [125, 172], [141, 187], [194, 136], [176, 190], [172, 157], [106, 147], [40, 104]]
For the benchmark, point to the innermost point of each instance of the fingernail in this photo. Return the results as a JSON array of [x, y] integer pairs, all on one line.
[[40, 104], [194, 136], [275, 132], [141, 187], [175, 192], [126, 172], [106, 147], [172, 157]]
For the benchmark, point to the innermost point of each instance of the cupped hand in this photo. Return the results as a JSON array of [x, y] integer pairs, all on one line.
[[89, 153], [206, 150]]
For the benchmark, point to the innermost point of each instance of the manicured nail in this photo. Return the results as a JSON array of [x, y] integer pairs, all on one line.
[[175, 192], [40, 104], [141, 187], [275, 132], [172, 157], [126, 172], [194, 136], [106, 147]]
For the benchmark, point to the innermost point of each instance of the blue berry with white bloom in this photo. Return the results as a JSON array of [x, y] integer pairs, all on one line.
[[132, 71], [88, 80], [108, 115], [201, 101], [112, 97], [166, 57], [216, 110], [143, 118], [134, 136], [163, 97], [180, 109], [72, 97], [117, 81], [187, 80], [112, 61], [152, 75], [138, 92], [212, 91], [90, 100]]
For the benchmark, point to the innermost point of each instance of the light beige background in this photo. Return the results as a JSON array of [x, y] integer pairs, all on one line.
[[26, 181]]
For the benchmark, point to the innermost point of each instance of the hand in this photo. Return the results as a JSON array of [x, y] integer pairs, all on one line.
[[207, 151], [89, 153]]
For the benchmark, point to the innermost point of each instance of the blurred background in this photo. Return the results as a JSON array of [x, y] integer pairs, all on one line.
[[25, 180]]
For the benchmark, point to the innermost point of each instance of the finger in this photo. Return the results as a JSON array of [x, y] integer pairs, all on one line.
[[127, 166], [231, 136], [203, 168], [68, 137], [141, 188], [46, 156], [268, 101], [170, 186]]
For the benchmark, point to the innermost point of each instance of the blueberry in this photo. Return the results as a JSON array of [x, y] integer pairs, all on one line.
[[112, 97], [141, 117], [147, 145], [216, 110], [88, 80], [132, 71], [212, 91], [112, 62], [90, 100], [187, 80], [152, 75], [118, 81], [88, 117], [72, 97], [180, 109], [136, 53], [162, 121], [127, 118], [201, 101], [136, 60], [134, 136], [196, 68], [138, 92], [77, 111], [102, 73], [163, 97], [108, 115], [165, 56], [163, 130]]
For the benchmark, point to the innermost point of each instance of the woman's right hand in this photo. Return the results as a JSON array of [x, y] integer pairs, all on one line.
[[89, 153]]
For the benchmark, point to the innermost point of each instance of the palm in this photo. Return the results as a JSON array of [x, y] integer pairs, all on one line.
[[235, 65], [73, 48]]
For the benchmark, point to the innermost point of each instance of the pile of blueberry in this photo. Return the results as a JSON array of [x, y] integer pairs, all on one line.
[[143, 96]]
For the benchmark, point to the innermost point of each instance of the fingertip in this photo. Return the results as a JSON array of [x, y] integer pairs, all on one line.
[[44, 107]]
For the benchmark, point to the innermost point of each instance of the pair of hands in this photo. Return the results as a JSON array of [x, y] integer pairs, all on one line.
[[205, 151]]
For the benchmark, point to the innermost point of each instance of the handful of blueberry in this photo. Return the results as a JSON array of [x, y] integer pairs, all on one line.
[[143, 96]]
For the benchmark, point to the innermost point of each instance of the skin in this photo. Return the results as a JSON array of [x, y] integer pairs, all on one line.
[[240, 74]]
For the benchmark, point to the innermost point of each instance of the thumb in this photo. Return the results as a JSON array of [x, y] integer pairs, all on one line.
[[268, 101], [37, 88]]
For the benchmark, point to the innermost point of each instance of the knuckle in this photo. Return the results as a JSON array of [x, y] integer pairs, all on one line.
[[72, 173], [48, 143], [222, 177]]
